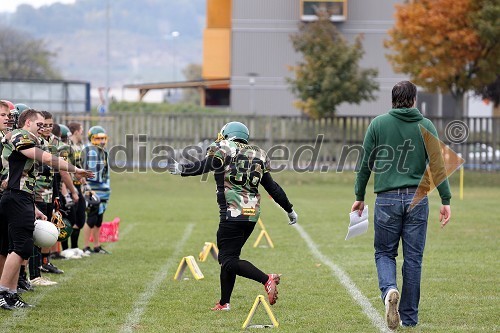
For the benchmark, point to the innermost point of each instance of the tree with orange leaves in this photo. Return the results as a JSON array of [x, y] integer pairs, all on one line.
[[439, 44]]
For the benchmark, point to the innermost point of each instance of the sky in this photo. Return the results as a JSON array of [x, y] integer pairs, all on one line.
[[11, 5]]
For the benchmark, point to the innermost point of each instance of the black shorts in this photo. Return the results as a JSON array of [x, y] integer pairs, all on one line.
[[94, 219], [45, 208], [19, 209]]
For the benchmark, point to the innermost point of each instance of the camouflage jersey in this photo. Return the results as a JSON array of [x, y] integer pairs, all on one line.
[[22, 173], [75, 158], [4, 167], [238, 183], [45, 177]]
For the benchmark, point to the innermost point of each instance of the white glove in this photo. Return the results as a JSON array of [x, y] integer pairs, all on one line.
[[293, 217], [175, 168], [69, 201], [86, 188]]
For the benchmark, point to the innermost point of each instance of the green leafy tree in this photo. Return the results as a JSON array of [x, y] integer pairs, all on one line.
[[23, 57], [447, 45], [191, 72], [329, 73], [487, 24]]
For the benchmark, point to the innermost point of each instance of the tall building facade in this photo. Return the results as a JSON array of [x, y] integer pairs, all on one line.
[[249, 43]]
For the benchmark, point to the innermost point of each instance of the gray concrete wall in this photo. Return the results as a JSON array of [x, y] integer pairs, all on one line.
[[261, 45]]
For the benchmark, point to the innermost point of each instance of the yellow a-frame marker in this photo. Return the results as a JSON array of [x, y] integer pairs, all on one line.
[[260, 299], [208, 248], [190, 262], [263, 233], [261, 225]]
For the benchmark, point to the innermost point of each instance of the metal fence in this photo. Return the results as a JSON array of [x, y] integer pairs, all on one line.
[[145, 140]]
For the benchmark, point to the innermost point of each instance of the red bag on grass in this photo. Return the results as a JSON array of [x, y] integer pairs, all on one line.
[[109, 231]]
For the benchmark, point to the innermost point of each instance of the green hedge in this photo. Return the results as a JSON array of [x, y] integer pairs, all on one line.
[[142, 107]]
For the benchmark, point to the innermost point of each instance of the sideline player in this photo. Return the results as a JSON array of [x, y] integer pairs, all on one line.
[[95, 157], [17, 203], [77, 213], [5, 107]]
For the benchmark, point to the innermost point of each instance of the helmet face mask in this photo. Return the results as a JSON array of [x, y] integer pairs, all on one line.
[[15, 112], [97, 136], [92, 200], [13, 117], [234, 131]]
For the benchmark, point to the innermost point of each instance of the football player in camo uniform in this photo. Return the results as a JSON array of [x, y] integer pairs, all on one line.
[[5, 107], [46, 198], [77, 213], [21, 149], [23, 283], [239, 168], [69, 193]]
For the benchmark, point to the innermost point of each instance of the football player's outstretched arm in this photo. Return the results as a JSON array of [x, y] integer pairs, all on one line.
[[197, 168], [55, 162], [279, 196]]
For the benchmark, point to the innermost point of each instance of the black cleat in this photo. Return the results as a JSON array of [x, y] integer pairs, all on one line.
[[99, 249], [17, 302], [24, 285], [4, 304], [50, 268]]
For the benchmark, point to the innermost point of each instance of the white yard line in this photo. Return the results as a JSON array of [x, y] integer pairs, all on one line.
[[140, 305], [41, 292], [346, 281]]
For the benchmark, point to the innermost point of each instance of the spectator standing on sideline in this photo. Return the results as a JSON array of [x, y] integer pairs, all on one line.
[[399, 134]]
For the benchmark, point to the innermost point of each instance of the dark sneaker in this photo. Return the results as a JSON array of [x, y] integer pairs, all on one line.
[[4, 304], [100, 250], [17, 302], [50, 268], [270, 287], [24, 285], [391, 309], [218, 307], [87, 251]]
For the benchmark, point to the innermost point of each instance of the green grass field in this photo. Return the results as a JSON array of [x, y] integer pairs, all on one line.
[[164, 218]]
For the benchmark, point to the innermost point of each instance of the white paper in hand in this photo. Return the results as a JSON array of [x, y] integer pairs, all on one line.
[[357, 224]]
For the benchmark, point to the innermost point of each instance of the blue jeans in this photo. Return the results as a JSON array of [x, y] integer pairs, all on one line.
[[394, 221]]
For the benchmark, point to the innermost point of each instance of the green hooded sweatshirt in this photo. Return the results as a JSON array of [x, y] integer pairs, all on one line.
[[395, 151]]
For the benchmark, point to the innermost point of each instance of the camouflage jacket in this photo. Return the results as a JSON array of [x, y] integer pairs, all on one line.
[[22, 173], [243, 168], [44, 180]]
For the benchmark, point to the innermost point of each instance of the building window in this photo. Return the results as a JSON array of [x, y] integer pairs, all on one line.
[[337, 9]]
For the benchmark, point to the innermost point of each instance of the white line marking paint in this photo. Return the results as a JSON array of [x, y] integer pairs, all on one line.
[[140, 305], [346, 281]]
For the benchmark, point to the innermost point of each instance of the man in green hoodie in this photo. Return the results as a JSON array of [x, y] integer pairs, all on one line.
[[397, 151]]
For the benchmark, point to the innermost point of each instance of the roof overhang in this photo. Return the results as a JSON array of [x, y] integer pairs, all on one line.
[[201, 84]]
